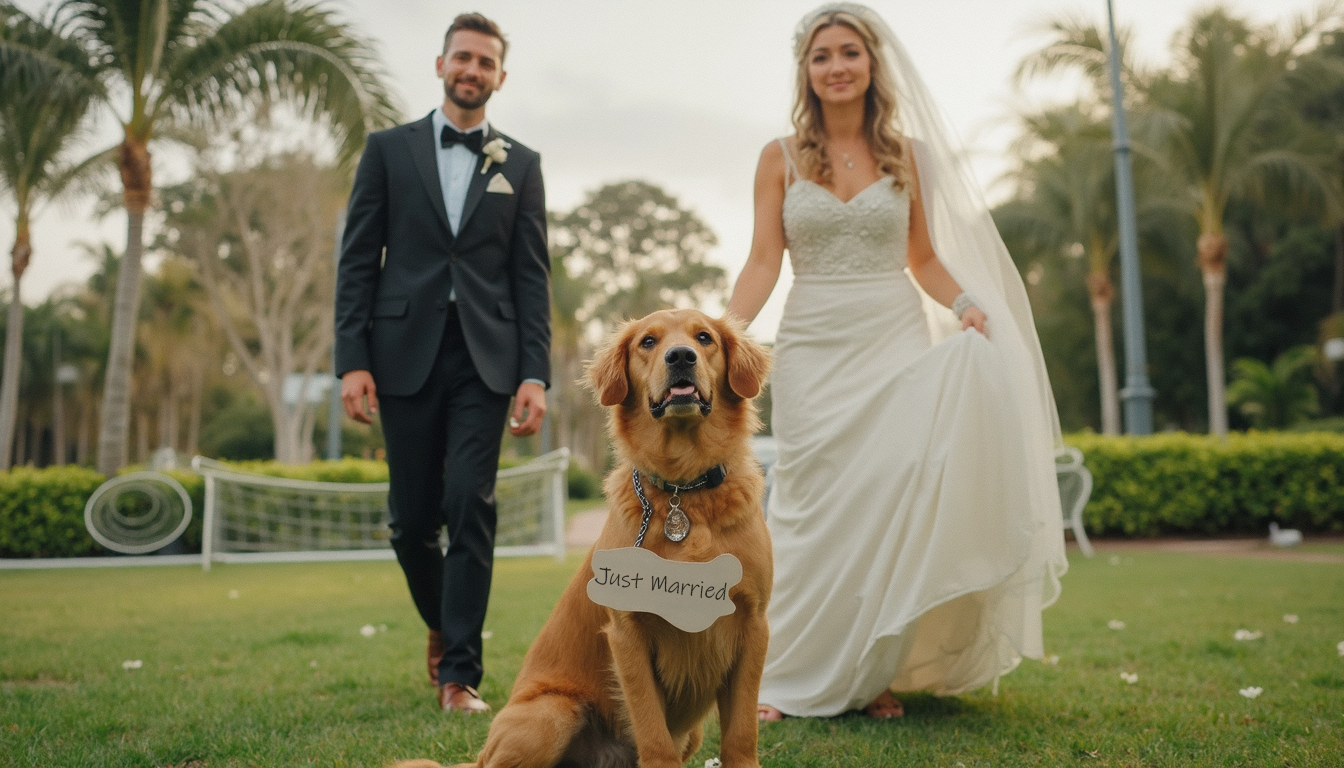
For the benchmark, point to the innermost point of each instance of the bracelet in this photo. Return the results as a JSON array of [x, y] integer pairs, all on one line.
[[963, 302]]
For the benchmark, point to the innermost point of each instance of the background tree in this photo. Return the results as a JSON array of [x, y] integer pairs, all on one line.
[[1066, 204], [627, 249], [262, 237], [1228, 131], [191, 62], [46, 89]]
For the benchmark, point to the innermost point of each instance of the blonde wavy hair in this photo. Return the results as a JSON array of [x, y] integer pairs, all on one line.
[[879, 109]]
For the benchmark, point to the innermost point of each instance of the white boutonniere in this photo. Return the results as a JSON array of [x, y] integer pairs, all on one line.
[[495, 151]]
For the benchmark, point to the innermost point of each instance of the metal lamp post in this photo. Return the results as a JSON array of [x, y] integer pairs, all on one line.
[[1137, 395]]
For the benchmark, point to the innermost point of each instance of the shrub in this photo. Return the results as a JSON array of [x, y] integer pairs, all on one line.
[[42, 512], [582, 483], [1179, 483]]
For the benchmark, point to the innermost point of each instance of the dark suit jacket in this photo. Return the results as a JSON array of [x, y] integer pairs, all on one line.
[[399, 259]]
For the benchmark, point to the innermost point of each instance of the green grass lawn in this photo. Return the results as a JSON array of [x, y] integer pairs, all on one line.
[[266, 665]]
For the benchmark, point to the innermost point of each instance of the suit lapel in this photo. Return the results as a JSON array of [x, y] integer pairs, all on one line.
[[476, 190], [421, 138]]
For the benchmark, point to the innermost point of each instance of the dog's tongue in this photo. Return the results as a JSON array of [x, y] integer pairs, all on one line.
[[679, 391]]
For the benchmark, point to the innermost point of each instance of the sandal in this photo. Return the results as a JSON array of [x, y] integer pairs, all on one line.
[[885, 707], [768, 714]]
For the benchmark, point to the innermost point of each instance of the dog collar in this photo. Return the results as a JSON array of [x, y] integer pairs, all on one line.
[[677, 525], [710, 478]]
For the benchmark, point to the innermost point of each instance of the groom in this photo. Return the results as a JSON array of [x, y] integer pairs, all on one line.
[[443, 313]]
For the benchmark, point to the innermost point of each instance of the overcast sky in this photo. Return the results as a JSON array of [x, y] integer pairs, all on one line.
[[683, 93]]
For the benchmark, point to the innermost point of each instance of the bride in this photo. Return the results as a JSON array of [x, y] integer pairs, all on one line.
[[915, 517]]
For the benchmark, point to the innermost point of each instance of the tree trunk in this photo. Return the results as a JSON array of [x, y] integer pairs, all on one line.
[[194, 419], [142, 438], [21, 443], [1213, 265], [57, 406], [85, 426], [9, 380], [1337, 297], [1103, 296], [133, 162]]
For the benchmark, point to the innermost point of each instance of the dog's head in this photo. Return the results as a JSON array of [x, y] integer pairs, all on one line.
[[679, 370]]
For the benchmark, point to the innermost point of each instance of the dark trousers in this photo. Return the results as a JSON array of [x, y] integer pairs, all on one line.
[[442, 453]]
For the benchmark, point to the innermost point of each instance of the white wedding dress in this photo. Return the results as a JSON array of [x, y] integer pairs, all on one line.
[[907, 551]]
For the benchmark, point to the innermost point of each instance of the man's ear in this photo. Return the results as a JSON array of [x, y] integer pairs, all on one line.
[[748, 363], [608, 371]]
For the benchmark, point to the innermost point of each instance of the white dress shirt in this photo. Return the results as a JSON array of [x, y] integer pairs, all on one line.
[[456, 165]]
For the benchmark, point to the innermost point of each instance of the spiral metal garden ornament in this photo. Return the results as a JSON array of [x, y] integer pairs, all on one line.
[[138, 512]]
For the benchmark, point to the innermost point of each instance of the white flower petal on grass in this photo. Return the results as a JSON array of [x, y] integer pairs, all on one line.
[[1246, 634], [233, 594], [129, 665], [1251, 692], [1340, 647], [487, 634], [1116, 624], [368, 630], [1290, 618], [1052, 660], [1130, 677], [313, 663], [713, 762]]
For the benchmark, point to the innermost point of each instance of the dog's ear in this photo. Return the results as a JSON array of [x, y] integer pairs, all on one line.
[[608, 371], [748, 362]]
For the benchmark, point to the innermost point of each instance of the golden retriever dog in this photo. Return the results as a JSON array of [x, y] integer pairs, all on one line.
[[603, 688]]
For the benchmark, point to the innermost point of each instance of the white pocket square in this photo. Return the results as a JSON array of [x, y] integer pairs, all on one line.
[[499, 184]]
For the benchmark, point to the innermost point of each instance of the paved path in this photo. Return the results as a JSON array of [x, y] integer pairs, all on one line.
[[1254, 548], [585, 527]]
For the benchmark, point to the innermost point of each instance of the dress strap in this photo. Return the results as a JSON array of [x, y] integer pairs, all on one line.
[[790, 170]]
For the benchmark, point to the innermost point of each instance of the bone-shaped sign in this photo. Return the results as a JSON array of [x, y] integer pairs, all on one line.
[[690, 596]]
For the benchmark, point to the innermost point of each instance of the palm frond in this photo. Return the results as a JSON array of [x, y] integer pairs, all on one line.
[[283, 50]]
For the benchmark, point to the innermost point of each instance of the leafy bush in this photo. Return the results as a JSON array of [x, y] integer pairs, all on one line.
[[582, 483], [42, 512], [1192, 484]]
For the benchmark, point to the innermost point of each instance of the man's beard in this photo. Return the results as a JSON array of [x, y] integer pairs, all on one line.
[[483, 95]]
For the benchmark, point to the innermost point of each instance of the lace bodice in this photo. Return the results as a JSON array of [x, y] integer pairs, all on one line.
[[867, 235]]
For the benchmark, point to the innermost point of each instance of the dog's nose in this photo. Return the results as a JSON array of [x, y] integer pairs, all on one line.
[[680, 356]]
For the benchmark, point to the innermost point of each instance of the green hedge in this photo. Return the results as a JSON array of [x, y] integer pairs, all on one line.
[[1194, 484], [42, 512], [1150, 486]]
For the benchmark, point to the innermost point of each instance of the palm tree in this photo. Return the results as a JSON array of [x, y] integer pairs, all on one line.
[[46, 89], [181, 62], [1222, 125], [1226, 131], [1067, 205], [1278, 395]]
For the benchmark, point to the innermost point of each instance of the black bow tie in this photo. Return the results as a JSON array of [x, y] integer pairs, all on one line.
[[471, 140]]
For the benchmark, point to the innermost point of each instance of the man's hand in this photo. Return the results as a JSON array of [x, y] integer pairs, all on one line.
[[359, 394], [530, 402]]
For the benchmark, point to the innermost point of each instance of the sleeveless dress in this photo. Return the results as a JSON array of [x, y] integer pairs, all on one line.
[[905, 551]]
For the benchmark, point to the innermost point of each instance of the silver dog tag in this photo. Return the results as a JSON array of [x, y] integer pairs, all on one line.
[[677, 526]]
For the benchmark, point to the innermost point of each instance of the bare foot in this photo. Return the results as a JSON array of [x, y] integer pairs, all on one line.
[[885, 707], [768, 714]]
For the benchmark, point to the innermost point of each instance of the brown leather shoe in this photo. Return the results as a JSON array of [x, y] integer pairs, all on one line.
[[456, 697], [434, 654]]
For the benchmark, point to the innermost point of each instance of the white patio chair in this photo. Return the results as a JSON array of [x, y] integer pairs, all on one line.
[[1075, 487]]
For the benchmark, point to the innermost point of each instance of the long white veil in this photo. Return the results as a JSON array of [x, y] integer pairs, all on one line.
[[969, 246]]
